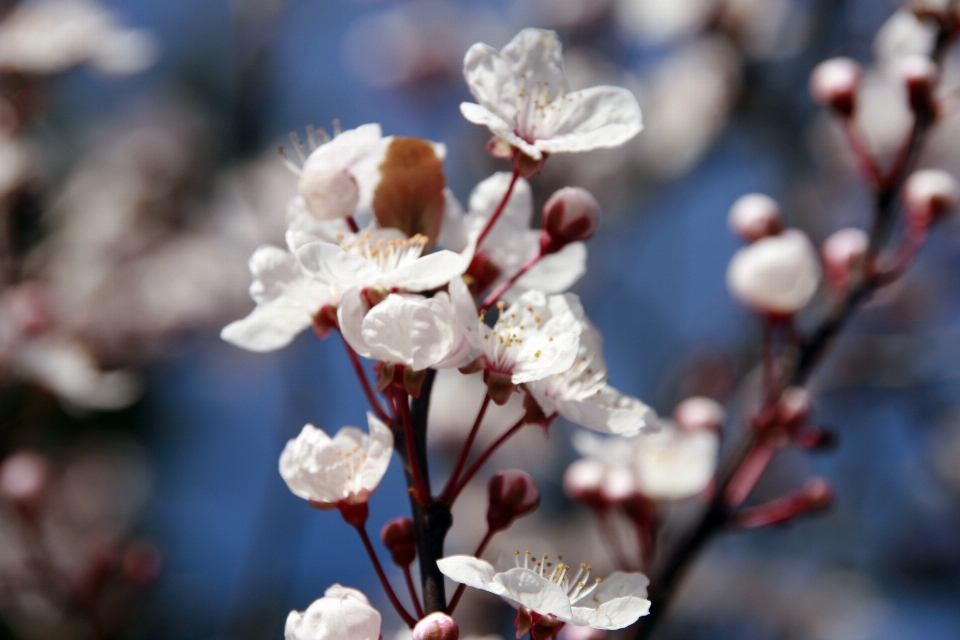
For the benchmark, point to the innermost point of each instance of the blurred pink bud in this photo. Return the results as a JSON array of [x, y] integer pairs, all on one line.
[[436, 626], [920, 75], [699, 412], [776, 275], [582, 481], [929, 193], [574, 632], [842, 253], [754, 216], [834, 84], [141, 563], [28, 307], [794, 406], [619, 485], [570, 215], [400, 538], [24, 478], [512, 494]]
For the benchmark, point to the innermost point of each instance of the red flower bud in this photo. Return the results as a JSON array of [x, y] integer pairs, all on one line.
[[920, 75], [436, 626], [400, 539], [570, 215], [512, 495]]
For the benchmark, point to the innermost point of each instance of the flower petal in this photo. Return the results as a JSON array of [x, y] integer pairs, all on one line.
[[379, 450], [529, 589], [270, 326], [472, 572], [590, 119], [481, 115], [428, 272], [617, 602]]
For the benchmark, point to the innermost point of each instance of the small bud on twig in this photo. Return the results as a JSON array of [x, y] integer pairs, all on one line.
[[436, 626], [570, 215], [929, 193], [400, 539], [699, 412], [834, 84], [754, 216], [512, 495], [843, 252], [920, 76]]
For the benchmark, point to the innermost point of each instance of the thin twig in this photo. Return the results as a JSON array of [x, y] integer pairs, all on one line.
[[362, 530]]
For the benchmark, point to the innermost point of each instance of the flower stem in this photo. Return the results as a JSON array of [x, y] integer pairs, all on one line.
[[413, 591], [465, 450], [455, 600], [472, 471], [500, 207], [499, 291], [352, 223], [365, 383], [402, 407], [407, 618]]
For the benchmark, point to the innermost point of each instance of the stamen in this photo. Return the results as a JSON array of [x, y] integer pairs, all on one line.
[[298, 146], [289, 164]]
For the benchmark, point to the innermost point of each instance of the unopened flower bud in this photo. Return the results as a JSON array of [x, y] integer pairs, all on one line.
[[24, 478], [575, 632], [619, 485], [754, 216], [777, 275], [512, 495], [400, 539], [843, 252], [571, 214], [929, 193], [834, 84], [582, 481], [794, 406], [920, 75], [699, 412], [436, 626]]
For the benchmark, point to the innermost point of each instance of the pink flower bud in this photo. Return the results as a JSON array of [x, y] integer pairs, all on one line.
[[754, 216], [574, 632], [582, 481], [834, 84], [400, 539], [842, 253], [794, 406], [570, 215], [929, 193], [699, 412], [920, 75], [619, 485], [436, 626], [512, 495], [24, 478]]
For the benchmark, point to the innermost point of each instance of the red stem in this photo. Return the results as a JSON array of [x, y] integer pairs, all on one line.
[[413, 591], [472, 471], [362, 530], [353, 224], [465, 450], [367, 389], [455, 600], [858, 146], [499, 291], [402, 407], [501, 206], [748, 473]]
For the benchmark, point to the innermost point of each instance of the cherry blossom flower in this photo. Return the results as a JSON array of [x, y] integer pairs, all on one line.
[[777, 274], [556, 590], [511, 242], [525, 99], [536, 336], [341, 614], [581, 393], [344, 469], [405, 329]]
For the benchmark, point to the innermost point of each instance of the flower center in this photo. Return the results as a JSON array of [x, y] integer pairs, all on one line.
[[581, 380], [573, 584], [386, 254], [352, 459], [505, 338]]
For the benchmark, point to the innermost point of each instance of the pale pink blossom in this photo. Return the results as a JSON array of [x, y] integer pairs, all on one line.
[[341, 614]]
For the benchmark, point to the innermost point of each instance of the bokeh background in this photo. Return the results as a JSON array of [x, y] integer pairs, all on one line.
[[139, 171]]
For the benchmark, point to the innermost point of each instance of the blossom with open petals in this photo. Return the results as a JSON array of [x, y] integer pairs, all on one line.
[[581, 393], [556, 589], [536, 336], [341, 614], [344, 469], [524, 99]]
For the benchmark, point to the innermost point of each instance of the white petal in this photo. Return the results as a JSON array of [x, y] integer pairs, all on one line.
[[428, 272], [410, 330], [481, 115], [329, 194], [526, 587], [493, 82], [331, 265], [558, 271], [272, 268], [776, 274], [344, 149], [472, 572], [540, 53], [350, 314], [593, 118], [379, 450], [453, 232], [486, 196], [609, 412], [617, 602], [270, 326]]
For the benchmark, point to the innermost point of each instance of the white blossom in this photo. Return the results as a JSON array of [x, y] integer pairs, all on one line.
[[536, 336], [581, 393], [777, 274], [344, 469], [525, 99], [341, 614], [556, 589]]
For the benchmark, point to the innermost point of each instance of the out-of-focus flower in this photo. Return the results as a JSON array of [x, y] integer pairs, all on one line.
[[524, 99], [536, 336], [777, 274], [842, 253], [556, 590], [341, 614], [344, 469], [929, 193], [581, 393], [755, 216], [24, 478], [834, 84], [902, 35], [51, 36], [411, 330], [663, 20], [511, 242], [699, 412]]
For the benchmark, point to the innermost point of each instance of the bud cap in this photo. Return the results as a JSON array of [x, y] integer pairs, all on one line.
[[436, 626], [842, 252], [571, 214], [699, 412], [400, 539], [512, 494], [754, 216], [929, 193], [834, 84]]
